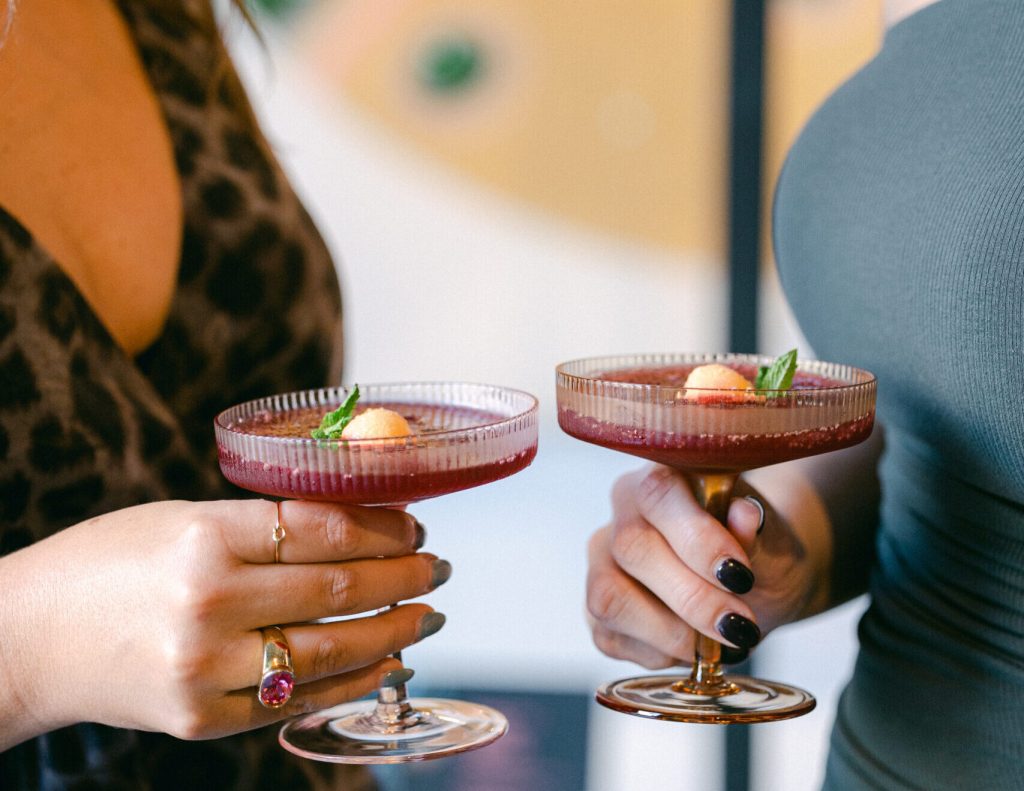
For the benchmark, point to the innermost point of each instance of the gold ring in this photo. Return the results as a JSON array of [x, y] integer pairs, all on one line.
[[278, 680], [279, 534]]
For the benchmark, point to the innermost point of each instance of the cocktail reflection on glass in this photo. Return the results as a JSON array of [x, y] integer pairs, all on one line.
[[641, 405], [464, 435]]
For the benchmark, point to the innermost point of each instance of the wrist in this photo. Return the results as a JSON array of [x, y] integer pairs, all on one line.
[[29, 616]]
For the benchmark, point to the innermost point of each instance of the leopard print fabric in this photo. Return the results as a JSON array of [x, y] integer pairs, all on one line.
[[86, 429]]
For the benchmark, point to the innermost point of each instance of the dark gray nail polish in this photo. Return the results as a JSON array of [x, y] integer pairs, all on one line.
[[735, 576], [395, 677], [440, 573], [421, 535], [733, 656], [738, 630], [430, 624]]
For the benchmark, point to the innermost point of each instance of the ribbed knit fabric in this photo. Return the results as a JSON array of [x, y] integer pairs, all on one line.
[[899, 231]]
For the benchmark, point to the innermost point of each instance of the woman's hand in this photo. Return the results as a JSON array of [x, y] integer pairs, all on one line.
[[665, 567], [150, 617]]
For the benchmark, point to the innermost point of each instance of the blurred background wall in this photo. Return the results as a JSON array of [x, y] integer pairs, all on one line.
[[507, 184]]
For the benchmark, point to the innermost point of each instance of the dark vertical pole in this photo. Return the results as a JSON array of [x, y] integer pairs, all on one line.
[[745, 181], [745, 187]]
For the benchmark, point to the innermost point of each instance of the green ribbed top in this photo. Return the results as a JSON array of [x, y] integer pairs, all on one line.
[[899, 231]]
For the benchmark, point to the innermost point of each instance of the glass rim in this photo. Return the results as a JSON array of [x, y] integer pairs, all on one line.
[[625, 362], [445, 435]]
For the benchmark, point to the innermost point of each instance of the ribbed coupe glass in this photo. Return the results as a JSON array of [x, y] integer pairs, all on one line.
[[465, 435], [638, 404]]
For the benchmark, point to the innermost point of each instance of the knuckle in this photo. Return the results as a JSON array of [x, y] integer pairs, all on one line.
[[656, 661], [606, 599], [608, 643], [189, 724], [197, 597], [332, 655], [692, 602], [654, 489], [342, 591], [341, 533], [201, 534], [679, 645], [305, 704], [630, 544]]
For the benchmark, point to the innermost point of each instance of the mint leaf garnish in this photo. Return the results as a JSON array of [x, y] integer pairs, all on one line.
[[778, 375], [334, 423]]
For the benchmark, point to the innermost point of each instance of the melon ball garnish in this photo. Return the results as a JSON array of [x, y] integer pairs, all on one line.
[[706, 382], [377, 423]]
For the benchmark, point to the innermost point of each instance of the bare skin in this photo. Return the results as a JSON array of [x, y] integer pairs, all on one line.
[[149, 617], [651, 578], [86, 161]]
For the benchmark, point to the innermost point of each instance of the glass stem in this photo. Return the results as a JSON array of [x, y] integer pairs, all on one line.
[[393, 711], [714, 493]]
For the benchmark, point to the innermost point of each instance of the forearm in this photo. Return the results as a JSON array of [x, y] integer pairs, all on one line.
[[29, 617]]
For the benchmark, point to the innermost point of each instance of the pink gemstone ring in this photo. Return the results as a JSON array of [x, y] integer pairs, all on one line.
[[278, 680]]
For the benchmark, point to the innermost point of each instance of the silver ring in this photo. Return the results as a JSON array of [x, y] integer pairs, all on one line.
[[760, 507]]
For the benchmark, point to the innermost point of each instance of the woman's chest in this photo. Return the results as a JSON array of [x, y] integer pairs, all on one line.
[[899, 229], [88, 164]]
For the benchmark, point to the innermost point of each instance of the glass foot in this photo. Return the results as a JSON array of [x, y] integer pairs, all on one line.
[[666, 698], [347, 734]]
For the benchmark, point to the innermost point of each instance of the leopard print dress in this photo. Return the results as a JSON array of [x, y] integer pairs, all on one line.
[[86, 429]]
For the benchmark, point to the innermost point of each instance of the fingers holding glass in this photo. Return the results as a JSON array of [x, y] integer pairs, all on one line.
[[626, 620], [642, 552], [313, 532], [662, 498], [289, 592], [319, 651]]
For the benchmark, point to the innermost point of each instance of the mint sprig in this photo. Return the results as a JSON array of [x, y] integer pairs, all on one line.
[[778, 375], [334, 423]]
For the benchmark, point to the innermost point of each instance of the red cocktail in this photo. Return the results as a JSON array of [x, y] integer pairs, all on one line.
[[394, 471], [642, 405], [463, 435]]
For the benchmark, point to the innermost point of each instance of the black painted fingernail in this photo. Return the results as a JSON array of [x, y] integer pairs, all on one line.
[[421, 535], [735, 576], [738, 630], [760, 509], [440, 573], [395, 677], [733, 656], [430, 624]]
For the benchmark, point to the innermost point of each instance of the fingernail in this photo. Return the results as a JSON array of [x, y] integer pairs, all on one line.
[[738, 630], [440, 572], [735, 576], [421, 535], [760, 510], [395, 677], [733, 656], [430, 624]]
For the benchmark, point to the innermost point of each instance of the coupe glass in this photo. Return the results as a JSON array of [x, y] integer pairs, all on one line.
[[637, 404], [465, 435]]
